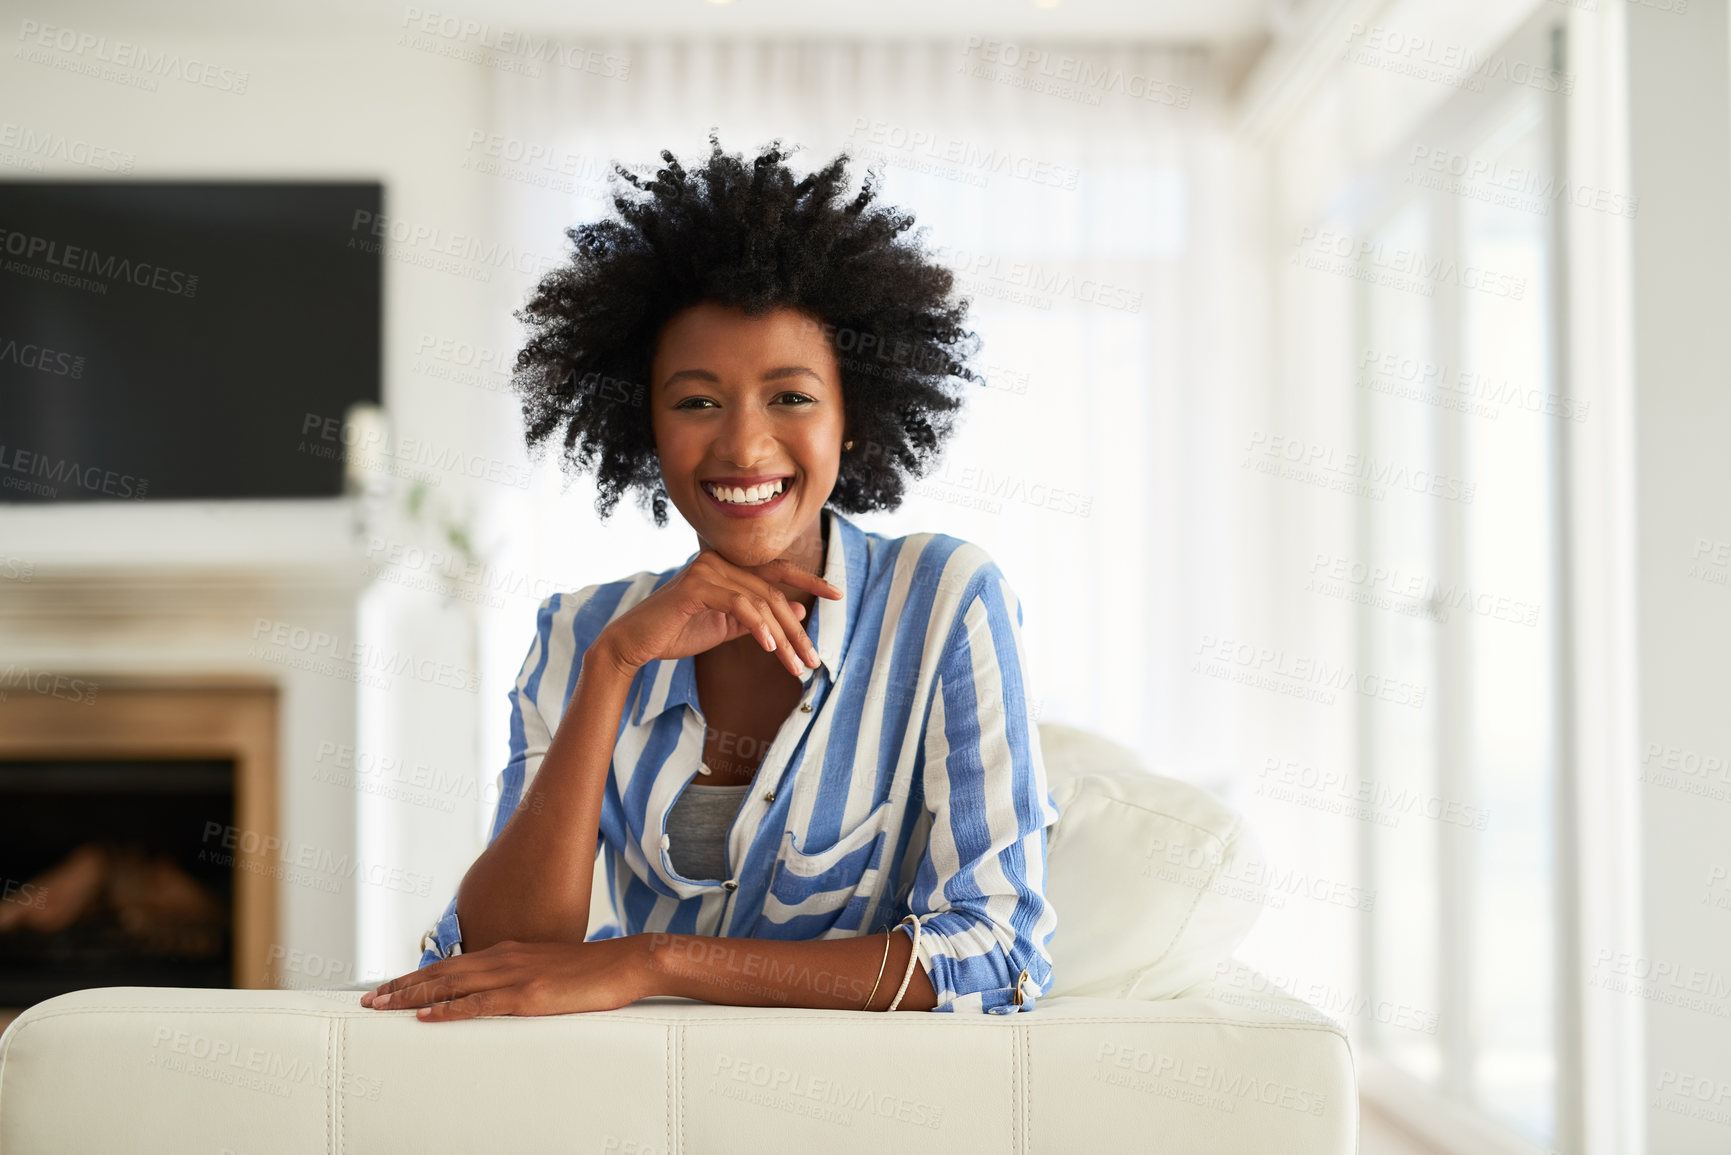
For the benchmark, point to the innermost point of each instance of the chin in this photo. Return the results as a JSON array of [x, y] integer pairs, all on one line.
[[749, 545], [733, 537]]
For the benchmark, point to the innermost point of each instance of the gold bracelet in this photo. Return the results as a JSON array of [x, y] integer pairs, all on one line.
[[881, 966]]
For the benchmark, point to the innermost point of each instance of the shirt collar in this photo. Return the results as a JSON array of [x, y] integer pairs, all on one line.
[[833, 620], [668, 683]]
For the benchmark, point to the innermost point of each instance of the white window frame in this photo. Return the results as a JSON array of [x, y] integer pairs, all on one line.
[[1440, 1115]]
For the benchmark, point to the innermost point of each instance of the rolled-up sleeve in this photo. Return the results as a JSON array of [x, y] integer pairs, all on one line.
[[979, 892], [530, 737]]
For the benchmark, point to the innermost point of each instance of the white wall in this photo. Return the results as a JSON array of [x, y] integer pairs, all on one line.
[[1680, 161], [327, 99]]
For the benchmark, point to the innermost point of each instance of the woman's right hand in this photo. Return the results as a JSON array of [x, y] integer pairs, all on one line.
[[712, 601]]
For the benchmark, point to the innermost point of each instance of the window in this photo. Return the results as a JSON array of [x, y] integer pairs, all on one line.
[[1461, 414]]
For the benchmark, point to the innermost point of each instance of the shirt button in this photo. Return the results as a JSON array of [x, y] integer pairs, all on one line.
[[730, 885], [805, 707], [666, 842], [770, 797]]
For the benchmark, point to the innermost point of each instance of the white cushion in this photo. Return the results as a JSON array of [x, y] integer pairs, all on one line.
[[1134, 868]]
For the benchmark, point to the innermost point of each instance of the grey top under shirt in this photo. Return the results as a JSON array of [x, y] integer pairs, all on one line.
[[697, 827]]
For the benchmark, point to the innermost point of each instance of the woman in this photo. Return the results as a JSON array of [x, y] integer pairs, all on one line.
[[807, 733]]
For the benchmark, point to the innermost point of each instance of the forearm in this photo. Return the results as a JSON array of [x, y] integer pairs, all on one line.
[[828, 974], [532, 883]]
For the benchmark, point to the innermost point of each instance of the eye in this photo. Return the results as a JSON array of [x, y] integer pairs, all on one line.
[[796, 398], [694, 403]]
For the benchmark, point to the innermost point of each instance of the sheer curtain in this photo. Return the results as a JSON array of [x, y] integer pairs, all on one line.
[[1092, 228]]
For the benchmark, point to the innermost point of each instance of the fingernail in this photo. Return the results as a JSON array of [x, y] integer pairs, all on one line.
[[382, 1000]]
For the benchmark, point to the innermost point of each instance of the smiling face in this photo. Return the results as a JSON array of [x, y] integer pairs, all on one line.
[[748, 422]]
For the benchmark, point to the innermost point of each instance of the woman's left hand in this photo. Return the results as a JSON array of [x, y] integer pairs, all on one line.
[[523, 978]]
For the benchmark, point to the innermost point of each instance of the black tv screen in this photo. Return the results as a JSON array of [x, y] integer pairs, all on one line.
[[169, 340]]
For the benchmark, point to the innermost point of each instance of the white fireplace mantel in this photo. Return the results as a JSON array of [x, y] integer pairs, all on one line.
[[135, 591]]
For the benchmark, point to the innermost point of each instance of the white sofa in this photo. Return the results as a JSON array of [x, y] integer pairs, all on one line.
[[1137, 1048]]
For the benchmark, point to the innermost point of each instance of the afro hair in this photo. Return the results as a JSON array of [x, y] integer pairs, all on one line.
[[752, 236]]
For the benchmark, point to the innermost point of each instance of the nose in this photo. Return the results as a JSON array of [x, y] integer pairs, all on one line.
[[745, 438]]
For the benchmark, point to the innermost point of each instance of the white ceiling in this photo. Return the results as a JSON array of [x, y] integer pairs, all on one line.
[[1192, 21], [1215, 22]]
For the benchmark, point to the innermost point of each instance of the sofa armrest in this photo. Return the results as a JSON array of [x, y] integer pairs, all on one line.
[[176, 1070]]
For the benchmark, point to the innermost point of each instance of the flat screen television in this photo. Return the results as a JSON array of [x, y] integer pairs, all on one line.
[[165, 340]]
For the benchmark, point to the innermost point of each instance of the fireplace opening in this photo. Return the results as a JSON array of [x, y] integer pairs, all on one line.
[[107, 876]]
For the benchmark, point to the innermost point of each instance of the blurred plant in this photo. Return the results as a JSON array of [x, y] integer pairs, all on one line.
[[454, 529], [414, 515]]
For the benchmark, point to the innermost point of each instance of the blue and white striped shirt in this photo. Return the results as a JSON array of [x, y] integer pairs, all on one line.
[[908, 780]]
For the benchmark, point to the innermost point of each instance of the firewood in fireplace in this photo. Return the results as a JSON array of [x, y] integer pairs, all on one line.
[[160, 908], [69, 891]]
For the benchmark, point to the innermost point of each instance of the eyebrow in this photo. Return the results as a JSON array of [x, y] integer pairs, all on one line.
[[780, 373]]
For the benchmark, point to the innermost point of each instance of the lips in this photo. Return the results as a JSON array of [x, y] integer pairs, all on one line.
[[736, 494], [747, 496]]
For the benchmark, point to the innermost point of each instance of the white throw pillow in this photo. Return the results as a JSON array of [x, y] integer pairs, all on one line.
[[1136, 869]]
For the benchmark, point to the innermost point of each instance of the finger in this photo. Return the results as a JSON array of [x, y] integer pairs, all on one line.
[[441, 990], [791, 642], [467, 1007], [461, 968], [744, 609], [782, 569], [786, 648], [789, 623], [759, 610], [789, 620], [431, 970], [786, 620], [764, 610]]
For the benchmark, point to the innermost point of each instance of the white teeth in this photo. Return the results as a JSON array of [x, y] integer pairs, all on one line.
[[755, 495]]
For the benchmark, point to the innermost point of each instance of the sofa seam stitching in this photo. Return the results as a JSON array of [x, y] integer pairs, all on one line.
[[833, 1018], [205, 1009], [330, 1058], [1318, 1029], [1027, 1083], [342, 1026]]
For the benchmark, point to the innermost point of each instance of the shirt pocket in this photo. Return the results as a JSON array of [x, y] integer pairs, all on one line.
[[831, 888]]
